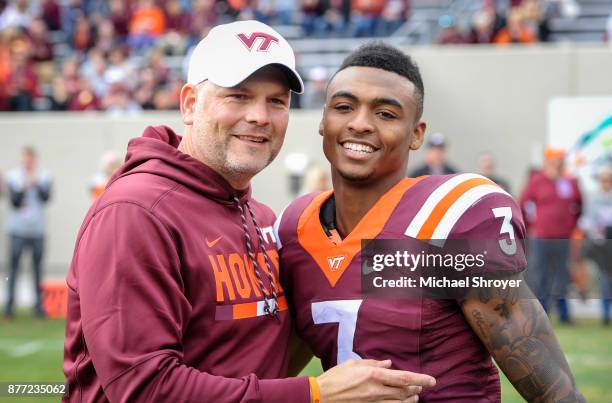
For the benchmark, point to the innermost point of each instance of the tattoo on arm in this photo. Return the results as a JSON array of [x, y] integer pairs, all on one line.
[[518, 335]]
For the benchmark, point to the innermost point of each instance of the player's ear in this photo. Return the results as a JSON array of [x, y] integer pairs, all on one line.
[[321, 122], [188, 97], [418, 134]]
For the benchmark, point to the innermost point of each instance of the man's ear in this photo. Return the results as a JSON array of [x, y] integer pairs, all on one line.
[[321, 122], [418, 135], [187, 103]]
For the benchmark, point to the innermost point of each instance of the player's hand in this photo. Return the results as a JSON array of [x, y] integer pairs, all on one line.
[[371, 381]]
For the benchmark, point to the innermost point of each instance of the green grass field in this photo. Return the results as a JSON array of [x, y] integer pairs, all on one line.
[[31, 351]]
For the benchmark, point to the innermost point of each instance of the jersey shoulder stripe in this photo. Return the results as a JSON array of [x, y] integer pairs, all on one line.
[[447, 203], [460, 206]]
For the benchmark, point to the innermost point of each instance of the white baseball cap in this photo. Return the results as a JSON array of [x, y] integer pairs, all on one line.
[[230, 53]]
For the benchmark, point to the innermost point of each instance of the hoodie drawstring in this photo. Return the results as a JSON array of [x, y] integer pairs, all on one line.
[[249, 246]]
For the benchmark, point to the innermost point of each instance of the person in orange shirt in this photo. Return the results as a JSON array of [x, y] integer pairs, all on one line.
[[109, 163], [147, 23], [515, 30], [367, 15]]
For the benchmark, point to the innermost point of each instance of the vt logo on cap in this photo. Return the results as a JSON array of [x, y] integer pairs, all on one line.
[[267, 40], [220, 57]]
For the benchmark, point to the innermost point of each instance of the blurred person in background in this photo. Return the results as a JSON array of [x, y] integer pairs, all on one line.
[[17, 14], [105, 38], [536, 19], [71, 11], [394, 15], [553, 201], [82, 36], [312, 17], [5, 57], [435, 158], [608, 31], [147, 23], [51, 14], [120, 69], [29, 189], [167, 97], [205, 15], [84, 98], [94, 70], [177, 19], [41, 49], [366, 17], [597, 226], [175, 40], [450, 34], [110, 162], [516, 30], [70, 74], [316, 179], [21, 81], [41, 53], [119, 102], [486, 167], [314, 94], [120, 15], [286, 11], [59, 97], [482, 28], [145, 90], [240, 9], [157, 62], [260, 10], [333, 22], [162, 100], [323, 18], [96, 9], [486, 23]]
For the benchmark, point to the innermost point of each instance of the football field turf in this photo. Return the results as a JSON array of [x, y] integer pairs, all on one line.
[[31, 351]]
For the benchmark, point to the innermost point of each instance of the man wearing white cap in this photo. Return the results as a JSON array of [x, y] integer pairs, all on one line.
[[173, 287]]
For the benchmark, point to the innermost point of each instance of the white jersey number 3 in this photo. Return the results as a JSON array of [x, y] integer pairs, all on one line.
[[508, 246], [344, 313]]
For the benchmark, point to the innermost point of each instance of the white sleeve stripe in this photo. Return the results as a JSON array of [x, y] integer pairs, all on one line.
[[277, 223], [432, 201], [460, 206]]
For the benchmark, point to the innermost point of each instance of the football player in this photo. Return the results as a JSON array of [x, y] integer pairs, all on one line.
[[371, 122]]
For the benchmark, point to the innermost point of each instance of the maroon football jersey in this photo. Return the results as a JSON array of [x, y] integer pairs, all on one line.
[[322, 278]]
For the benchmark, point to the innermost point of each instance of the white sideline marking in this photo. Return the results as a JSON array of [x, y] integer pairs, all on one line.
[[26, 349]]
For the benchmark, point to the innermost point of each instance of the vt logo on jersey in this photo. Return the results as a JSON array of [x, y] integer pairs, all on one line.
[[266, 41], [335, 262]]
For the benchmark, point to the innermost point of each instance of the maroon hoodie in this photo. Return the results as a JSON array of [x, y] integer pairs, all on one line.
[[164, 305]]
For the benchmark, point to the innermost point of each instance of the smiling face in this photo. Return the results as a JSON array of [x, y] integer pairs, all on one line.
[[238, 131], [369, 125]]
